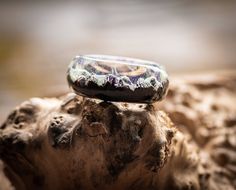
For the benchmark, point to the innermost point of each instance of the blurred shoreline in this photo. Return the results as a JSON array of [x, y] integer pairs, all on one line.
[[38, 39]]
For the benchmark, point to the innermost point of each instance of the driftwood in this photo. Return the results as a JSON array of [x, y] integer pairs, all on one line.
[[77, 143]]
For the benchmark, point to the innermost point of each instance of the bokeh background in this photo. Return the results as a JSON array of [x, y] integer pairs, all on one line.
[[39, 38]]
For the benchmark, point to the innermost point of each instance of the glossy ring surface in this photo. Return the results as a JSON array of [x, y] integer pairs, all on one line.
[[114, 78]]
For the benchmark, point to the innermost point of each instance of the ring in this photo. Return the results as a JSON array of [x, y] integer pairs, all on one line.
[[115, 78]]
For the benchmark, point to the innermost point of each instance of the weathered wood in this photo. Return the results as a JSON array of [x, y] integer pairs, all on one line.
[[77, 143]]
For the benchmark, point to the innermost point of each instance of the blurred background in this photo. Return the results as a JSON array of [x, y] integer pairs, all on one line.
[[39, 38]]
